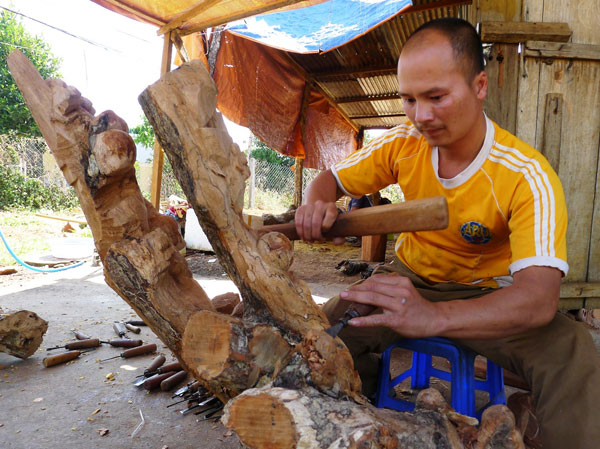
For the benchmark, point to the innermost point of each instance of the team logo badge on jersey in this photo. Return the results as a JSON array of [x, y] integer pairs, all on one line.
[[474, 232]]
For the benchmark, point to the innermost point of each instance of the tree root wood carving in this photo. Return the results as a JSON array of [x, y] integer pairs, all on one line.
[[21, 333], [293, 385]]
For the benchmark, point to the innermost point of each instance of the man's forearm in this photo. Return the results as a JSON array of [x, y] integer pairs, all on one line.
[[529, 303], [323, 188], [503, 313]]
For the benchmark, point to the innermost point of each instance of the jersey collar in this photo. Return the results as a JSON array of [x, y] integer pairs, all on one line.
[[475, 165]]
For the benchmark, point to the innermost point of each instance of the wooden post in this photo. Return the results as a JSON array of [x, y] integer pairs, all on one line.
[[159, 158], [372, 248], [252, 183], [300, 161], [298, 167], [213, 48]]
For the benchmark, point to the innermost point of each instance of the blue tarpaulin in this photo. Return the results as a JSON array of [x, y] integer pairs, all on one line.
[[321, 27]]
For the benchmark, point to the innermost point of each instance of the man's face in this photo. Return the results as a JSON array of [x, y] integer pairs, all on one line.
[[437, 96]]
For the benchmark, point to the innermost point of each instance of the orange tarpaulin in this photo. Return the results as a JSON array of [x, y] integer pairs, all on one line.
[[196, 15], [260, 88]]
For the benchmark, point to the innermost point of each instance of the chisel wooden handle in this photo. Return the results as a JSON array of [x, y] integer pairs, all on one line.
[[173, 366], [136, 322], [140, 350], [425, 214], [124, 343], [171, 382], [82, 344], [132, 328], [153, 382], [79, 344], [158, 361], [60, 358]]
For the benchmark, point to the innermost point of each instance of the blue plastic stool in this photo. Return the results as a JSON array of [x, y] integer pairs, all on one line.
[[461, 377]]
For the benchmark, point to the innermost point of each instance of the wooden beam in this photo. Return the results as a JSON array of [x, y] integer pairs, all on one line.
[[159, 157], [227, 18], [180, 47], [189, 13], [538, 49], [135, 12], [378, 127], [580, 290], [318, 88], [352, 72], [358, 117], [578, 295], [367, 99], [435, 5], [515, 32]]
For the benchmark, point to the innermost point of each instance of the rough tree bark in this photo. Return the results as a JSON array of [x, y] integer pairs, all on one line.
[[21, 333], [299, 386]]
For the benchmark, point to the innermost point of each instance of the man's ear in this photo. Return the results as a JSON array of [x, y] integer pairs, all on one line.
[[480, 84]]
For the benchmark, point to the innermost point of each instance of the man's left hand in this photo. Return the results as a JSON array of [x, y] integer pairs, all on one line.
[[405, 311]]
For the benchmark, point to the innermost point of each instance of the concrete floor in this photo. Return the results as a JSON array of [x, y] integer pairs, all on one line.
[[54, 407], [43, 408]]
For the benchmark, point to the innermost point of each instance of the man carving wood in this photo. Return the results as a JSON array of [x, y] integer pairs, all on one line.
[[491, 280]]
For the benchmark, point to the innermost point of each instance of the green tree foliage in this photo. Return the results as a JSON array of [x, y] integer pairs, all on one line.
[[14, 114], [17, 191], [261, 152], [143, 134]]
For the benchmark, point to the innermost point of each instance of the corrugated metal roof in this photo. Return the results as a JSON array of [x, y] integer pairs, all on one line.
[[358, 77], [369, 97]]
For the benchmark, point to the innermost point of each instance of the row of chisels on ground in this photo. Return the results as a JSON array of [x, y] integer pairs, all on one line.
[[167, 376], [85, 343], [158, 376]]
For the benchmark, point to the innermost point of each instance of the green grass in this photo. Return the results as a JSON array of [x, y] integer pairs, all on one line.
[[30, 235]]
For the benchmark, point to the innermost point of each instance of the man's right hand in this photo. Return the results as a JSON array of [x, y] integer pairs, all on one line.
[[313, 219]]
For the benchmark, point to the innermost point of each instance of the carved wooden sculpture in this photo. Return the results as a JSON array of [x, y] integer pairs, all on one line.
[[294, 385]]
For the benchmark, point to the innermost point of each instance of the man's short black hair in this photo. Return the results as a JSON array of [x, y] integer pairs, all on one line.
[[464, 40]]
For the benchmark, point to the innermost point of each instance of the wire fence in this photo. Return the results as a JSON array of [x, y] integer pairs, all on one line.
[[270, 188], [274, 187], [31, 157]]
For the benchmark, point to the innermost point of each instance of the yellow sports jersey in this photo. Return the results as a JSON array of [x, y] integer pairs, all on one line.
[[507, 208]]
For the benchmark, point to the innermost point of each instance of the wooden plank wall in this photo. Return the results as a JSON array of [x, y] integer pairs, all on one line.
[[554, 105], [575, 83], [502, 65]]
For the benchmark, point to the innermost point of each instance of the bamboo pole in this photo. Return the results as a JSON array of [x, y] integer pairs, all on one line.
[[159, 157], [183, 17]]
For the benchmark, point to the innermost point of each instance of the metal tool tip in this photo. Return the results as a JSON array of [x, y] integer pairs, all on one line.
[[335, 329]]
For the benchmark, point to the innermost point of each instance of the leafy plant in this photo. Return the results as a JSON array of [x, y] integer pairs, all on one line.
[[261, 152], [143, 134], [17, 191], [14, 113]]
